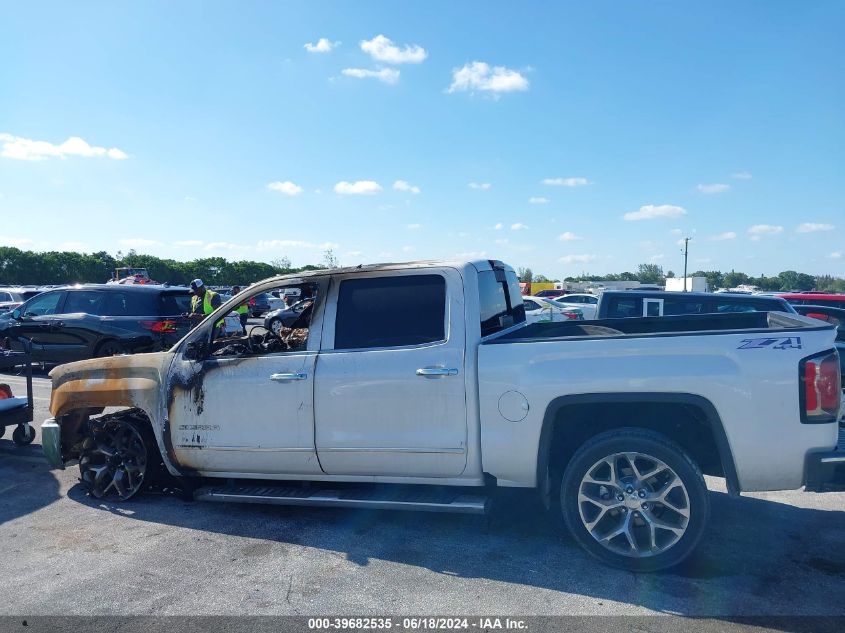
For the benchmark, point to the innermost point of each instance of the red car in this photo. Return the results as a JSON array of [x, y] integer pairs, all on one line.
[[830, 300]]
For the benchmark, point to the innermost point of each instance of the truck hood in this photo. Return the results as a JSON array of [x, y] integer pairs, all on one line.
[[117, 381]]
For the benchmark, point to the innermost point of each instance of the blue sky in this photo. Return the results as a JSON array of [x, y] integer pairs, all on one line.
[[526, 132]]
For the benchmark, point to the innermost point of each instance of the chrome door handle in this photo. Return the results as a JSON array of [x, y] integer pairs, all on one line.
[[288, 377], [437, 371]]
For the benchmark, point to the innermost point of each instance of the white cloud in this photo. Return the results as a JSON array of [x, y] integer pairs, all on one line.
[[385, 75], [835, 255], [725, 235], [286, 187], [676, 231], [414, 227], [225, 246], [657, 258], [188, 243], [323, 45], [765, 229], [408, 249], [482, 77], [20, 148], [274, 245], [538, 200], [17, 242], [354, 253], [138, 242], [576, 259], [499, 226], [518, 226], [716, 187], [404, 185], [383, 49], [741, 175], [569, 236], [471, 255], [359, 187], [79, 247], [652, 211], [813, 227], [502, 242], [566, 182], [480, 185]]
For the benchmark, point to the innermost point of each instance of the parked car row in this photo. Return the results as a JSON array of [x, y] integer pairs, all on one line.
[[13, 296]]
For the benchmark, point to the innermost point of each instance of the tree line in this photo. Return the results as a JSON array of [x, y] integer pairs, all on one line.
[[18, 267], [653, 274]]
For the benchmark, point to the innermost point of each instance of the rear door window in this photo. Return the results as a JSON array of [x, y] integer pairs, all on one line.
[[84, 302], [400, 310]]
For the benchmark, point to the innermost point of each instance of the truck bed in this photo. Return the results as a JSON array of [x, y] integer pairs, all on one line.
[[690, 324]]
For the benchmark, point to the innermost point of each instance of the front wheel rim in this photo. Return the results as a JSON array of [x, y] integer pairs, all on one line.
[[114, 461], [633, 504]]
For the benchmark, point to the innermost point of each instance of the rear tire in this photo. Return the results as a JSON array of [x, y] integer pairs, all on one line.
[[635, 499]]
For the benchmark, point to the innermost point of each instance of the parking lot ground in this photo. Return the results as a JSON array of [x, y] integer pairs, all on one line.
[[765, 555]]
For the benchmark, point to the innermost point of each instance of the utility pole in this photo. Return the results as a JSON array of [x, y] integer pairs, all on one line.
[[686, 256]]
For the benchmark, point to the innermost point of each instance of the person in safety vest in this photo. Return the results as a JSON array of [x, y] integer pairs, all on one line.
[[203, 302], [242, 310]]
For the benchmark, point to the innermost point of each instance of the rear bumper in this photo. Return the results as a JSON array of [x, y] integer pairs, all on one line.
[[825, 470]]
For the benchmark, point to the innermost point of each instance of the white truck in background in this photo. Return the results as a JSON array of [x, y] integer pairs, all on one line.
[[420, 386]]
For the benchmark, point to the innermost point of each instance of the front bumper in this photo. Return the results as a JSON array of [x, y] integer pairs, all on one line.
[[51, 443], [825, 470]]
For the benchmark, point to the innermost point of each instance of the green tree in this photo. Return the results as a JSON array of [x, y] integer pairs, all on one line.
[[650, 273], [525, 275]]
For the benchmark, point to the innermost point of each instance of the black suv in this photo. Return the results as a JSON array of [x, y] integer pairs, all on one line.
[[79, 322], [616, 304]]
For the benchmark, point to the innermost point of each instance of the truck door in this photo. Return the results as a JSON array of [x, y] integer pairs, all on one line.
[[389, 393], [247, 407]]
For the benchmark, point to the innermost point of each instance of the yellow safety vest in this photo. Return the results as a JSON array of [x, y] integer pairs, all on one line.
[[206, 304], [242, 309]]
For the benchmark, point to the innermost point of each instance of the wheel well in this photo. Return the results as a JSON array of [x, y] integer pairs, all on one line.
[[98, 348], [689, 422], [73, 425]]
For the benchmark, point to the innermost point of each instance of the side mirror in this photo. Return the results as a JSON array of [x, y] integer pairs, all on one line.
[[16, 314], [196, 349]]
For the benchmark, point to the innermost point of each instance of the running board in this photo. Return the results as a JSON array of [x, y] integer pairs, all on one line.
[[371, 499]]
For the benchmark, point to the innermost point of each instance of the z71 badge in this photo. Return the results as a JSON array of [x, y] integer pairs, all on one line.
[[773, 342]]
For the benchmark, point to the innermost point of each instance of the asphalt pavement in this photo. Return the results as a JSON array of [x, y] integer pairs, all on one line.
[[67, 554]]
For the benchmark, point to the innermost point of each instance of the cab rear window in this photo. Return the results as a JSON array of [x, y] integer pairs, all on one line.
[[500, 301]]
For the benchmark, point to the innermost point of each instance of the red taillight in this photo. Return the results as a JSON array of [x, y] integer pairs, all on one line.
[[160, 327], [822, 387]]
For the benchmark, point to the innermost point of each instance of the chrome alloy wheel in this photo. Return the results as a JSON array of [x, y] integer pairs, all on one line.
[[113, 461], [633, 504]]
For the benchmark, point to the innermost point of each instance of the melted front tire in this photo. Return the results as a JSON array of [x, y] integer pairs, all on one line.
[[635, 499], [119, 457]]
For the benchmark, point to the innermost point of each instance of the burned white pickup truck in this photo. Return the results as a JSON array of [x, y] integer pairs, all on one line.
[[420, 386]]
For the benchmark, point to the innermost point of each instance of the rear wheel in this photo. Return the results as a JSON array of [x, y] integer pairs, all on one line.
[[634, 499], [118, 458], [109, 348], [23, 434]]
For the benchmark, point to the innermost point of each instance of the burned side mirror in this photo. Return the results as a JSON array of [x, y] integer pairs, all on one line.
[[196, 349]]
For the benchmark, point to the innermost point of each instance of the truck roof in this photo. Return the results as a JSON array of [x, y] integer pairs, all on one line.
[[478, 264]]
